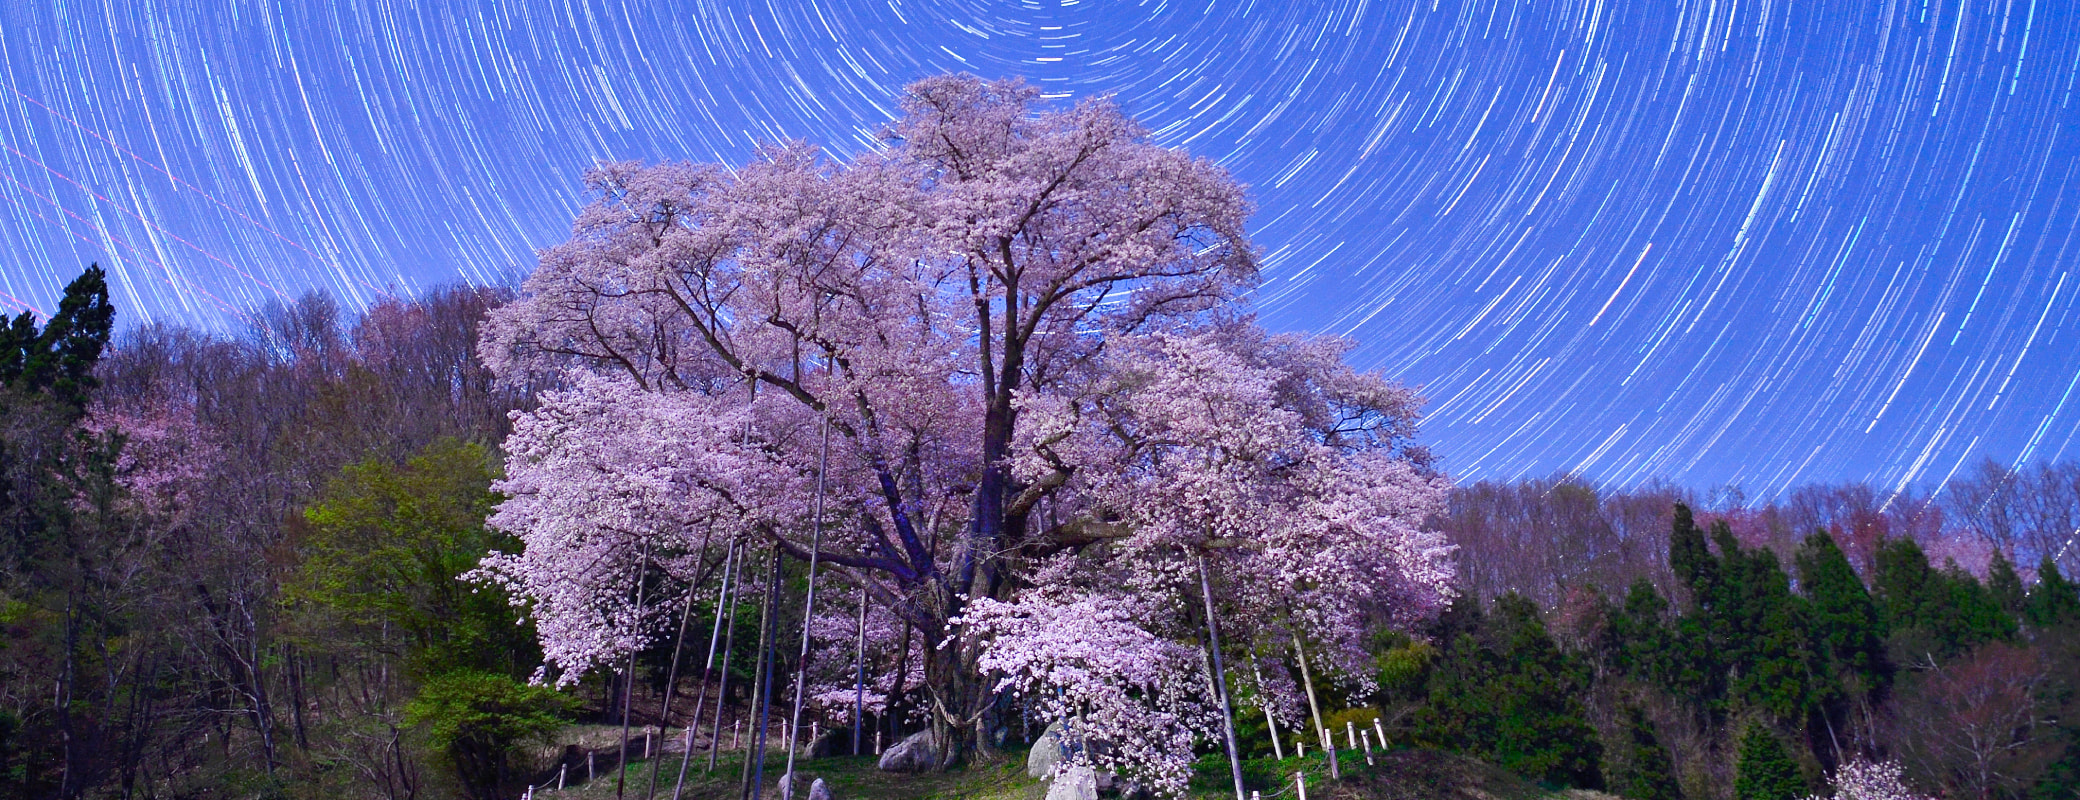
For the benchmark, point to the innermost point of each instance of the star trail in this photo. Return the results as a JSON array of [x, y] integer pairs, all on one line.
[[1754, 242]]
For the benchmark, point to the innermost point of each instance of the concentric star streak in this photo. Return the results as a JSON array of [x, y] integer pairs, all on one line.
[[1714, 241]]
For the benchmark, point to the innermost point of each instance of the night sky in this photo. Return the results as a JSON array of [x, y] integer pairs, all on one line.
[[1710, 241]]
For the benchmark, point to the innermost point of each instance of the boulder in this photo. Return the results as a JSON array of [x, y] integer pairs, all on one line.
[[786, 791], [819, 790], [1046, 752], [833, 743], [1078, 782], [918, 752]]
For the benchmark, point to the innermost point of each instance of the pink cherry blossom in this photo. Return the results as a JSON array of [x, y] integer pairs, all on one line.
[[1021, 326]]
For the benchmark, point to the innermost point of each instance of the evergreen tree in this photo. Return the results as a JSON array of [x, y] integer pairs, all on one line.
[[1761, 629], [1974, 615], [1909, 592], [1692, 663], [1646, 771], [1765, 771], [1638, 635], [60, 360], [1509, 695], [1845, 624], [2004, 585], [2054, 601], [1940, 612], [1692, 559], [17, 338]]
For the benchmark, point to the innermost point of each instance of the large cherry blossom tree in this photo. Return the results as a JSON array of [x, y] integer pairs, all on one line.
[[1049, 424]]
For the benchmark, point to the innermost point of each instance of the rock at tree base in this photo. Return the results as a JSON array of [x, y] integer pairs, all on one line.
[[1075, 783], [819, 791], [1046, 752], [919, 752], [786, 787], [833, 743]]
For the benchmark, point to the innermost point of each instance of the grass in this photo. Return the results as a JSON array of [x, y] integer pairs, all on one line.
[[850, 778], [1399, 775]]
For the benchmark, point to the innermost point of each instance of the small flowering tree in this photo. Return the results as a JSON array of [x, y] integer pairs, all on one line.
[[1871, 780], [1017, 325]]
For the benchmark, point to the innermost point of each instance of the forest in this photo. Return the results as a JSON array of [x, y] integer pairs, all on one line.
[[233, 562], [938, 452]]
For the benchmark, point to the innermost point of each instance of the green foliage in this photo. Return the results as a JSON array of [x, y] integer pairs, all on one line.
[[1505, 692], [1761, 626], [69, 558], [17, 339], [384, 548], [1765, 771], [1342, 722], [2004, 586], [59, 360], [1645, 771], [480, 720], [2062, 780], [1638, 633], [1402, 669], [1692, 559], [1939, 612], [1846, 627], [2054, 601], [1691, 665], [1744, 640]]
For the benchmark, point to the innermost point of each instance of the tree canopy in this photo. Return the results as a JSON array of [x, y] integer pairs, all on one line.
[[1018, 328]]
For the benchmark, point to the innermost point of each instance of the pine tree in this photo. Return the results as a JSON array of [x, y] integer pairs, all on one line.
[[1647, 772], [1765, 771]]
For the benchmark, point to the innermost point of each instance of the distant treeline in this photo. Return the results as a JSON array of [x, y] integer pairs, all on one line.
[[228, 567], [1541, 538], [1618, 640]]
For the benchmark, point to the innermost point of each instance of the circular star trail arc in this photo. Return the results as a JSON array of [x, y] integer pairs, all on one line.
[[1709, 241]]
